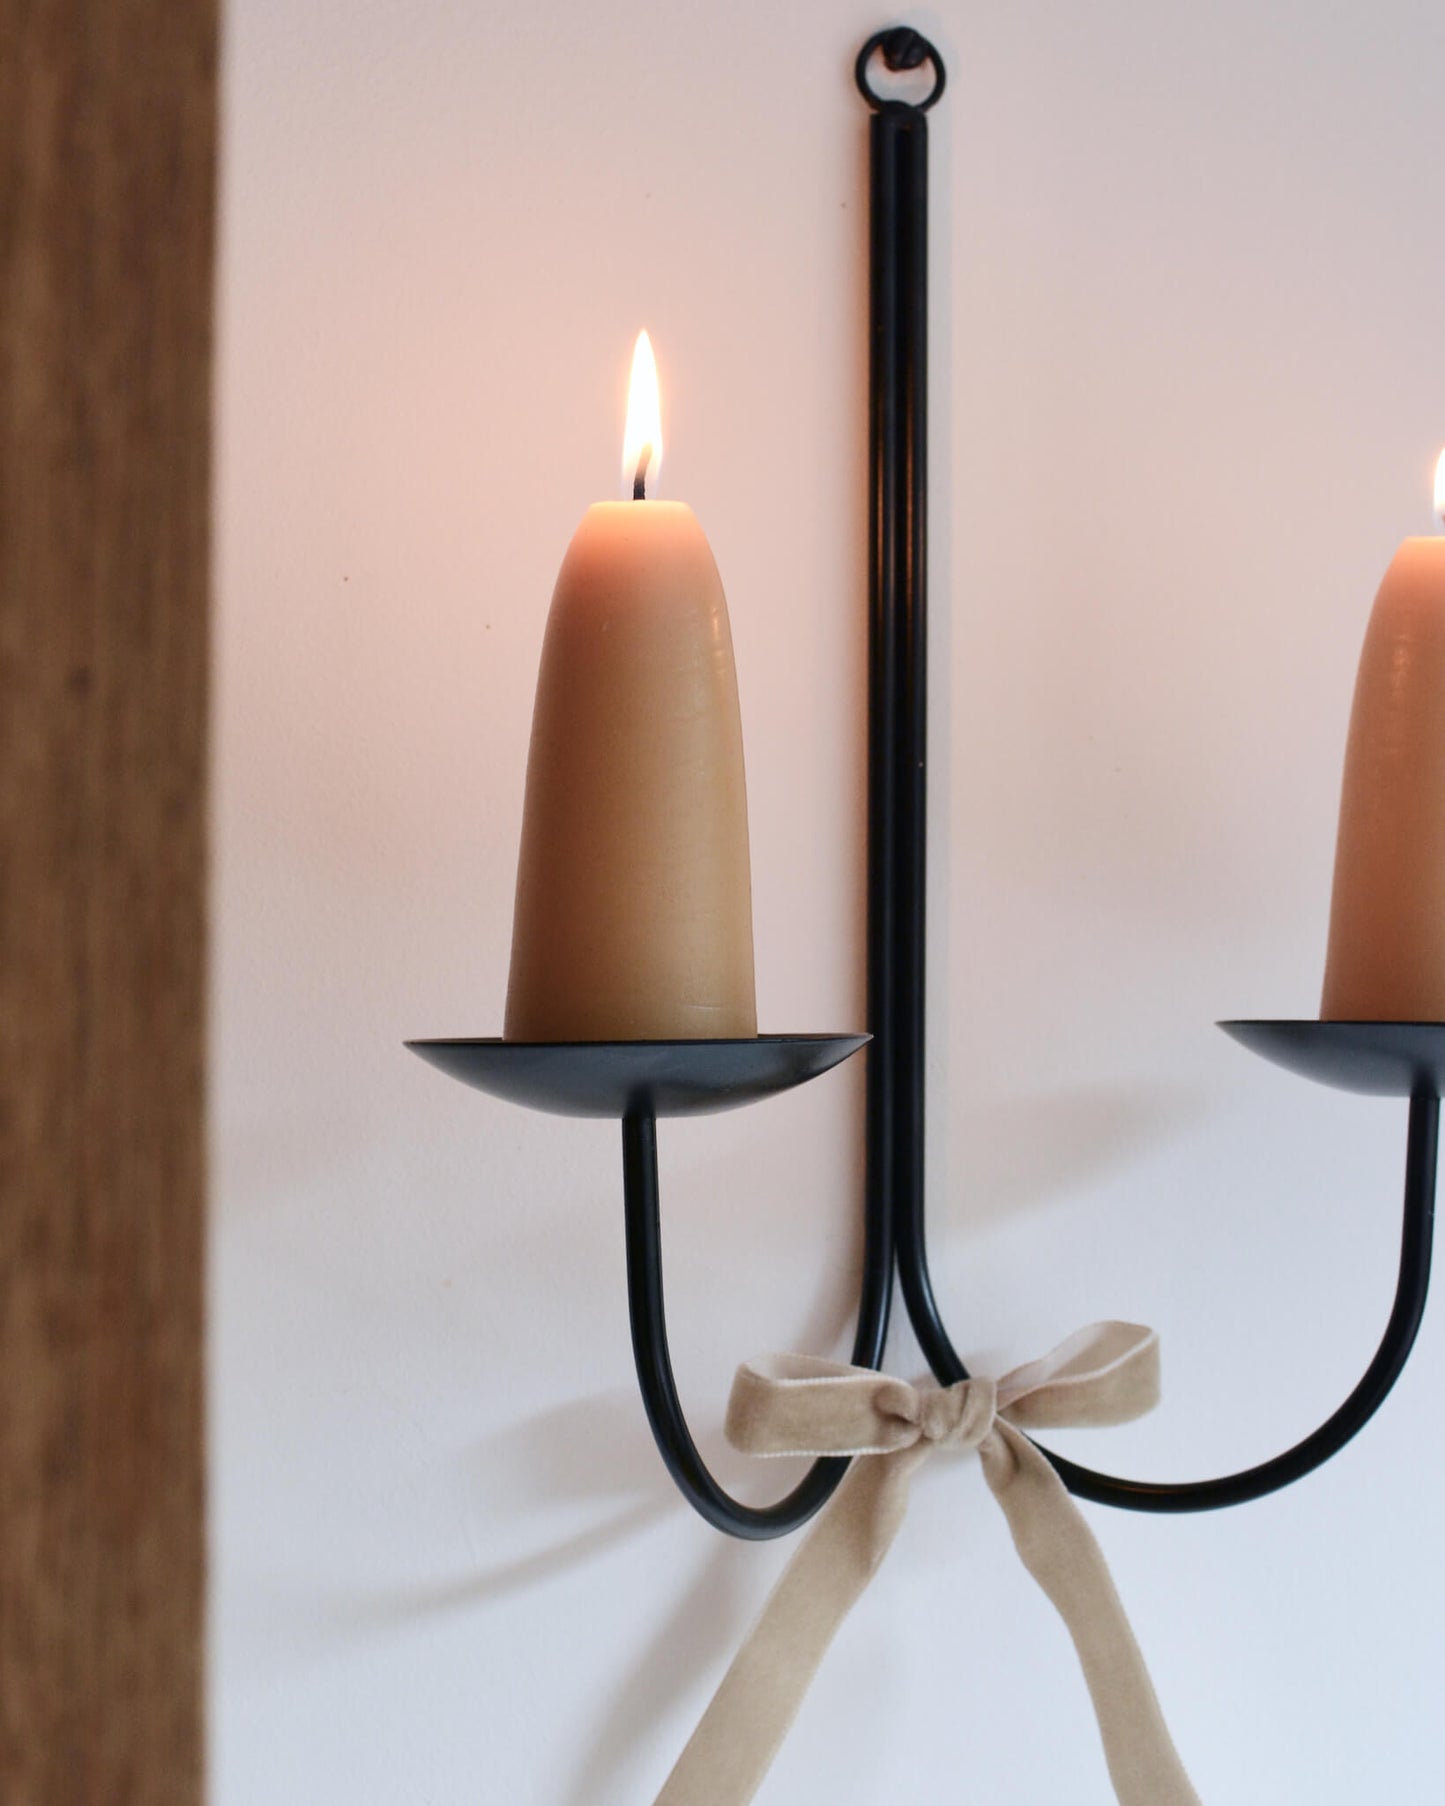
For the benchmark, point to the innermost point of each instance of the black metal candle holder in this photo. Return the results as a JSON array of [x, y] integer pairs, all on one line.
[[639, 1081]]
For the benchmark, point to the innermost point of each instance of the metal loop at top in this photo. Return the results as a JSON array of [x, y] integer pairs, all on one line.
[[903, 48]]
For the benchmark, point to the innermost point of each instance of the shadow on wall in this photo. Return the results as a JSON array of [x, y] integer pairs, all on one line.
[[596, 1449], [592, 1449]]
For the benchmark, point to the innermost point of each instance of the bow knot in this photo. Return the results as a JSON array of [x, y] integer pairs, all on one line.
[[958, 1416]]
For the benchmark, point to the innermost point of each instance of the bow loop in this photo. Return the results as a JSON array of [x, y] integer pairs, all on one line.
[[1105, 1374], [798, 1405]]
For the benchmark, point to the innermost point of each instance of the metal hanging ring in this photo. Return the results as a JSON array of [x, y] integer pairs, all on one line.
[[902, 48]]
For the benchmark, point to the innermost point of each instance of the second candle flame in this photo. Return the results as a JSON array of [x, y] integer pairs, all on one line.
[[642, 442]]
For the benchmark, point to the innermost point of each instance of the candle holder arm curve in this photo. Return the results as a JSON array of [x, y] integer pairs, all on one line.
[[1379, 1377], [654, 1363], [636, 1082]]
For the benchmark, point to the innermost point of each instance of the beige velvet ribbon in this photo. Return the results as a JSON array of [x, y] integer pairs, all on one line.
[[794, 1405]]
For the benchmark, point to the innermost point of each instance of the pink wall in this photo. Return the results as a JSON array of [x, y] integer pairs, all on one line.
[[1189, 384]]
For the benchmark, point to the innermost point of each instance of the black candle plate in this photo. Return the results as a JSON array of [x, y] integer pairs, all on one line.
[[618, 1078], [1381, 1059]]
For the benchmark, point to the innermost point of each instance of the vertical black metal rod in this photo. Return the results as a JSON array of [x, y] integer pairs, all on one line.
[[898, 693], [898, 653]]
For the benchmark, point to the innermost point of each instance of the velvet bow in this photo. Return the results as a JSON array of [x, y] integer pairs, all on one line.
[[794, 1405]]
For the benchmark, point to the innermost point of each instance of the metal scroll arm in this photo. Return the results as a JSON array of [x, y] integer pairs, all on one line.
[[897, 819], [654, 1364], [1304, 1457]]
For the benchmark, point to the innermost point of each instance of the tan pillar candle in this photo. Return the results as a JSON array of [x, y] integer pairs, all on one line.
[[634, 907], [1386, 959]]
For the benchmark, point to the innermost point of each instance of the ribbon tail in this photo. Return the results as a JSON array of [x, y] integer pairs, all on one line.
[[733, 1747], [1058, 1549]]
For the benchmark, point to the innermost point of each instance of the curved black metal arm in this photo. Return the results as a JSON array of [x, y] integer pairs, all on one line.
[[1304, 1457], [897, 823], [654, 1364]]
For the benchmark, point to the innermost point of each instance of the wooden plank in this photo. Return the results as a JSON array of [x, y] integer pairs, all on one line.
[[107, 163]]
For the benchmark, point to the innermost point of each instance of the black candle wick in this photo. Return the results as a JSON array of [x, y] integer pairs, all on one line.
[[639, 482]]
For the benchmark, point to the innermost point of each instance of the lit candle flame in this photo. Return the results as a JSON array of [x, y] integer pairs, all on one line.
[[642, 442], [1440, 488]]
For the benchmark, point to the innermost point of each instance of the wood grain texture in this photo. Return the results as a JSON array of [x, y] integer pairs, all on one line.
[[107, 177]]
